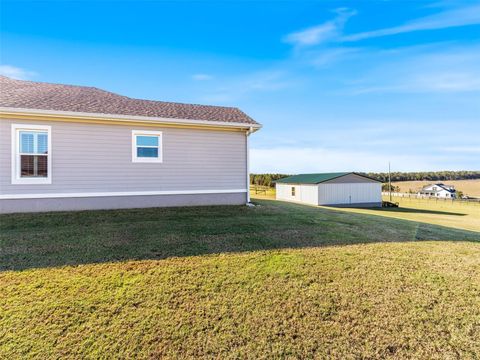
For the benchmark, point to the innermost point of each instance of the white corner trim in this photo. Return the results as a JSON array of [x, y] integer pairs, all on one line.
[[15, 157], [119, 193], [129, 118], [136, 159], [247, 148]]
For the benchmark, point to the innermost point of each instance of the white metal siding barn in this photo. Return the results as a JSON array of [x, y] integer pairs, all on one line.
[[339, 189]]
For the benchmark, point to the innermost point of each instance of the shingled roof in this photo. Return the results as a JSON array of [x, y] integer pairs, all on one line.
[[58, 97]]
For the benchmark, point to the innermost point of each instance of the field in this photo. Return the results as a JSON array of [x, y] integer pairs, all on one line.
[[263, 192], [456, 215], [277, 280], [468, 187], [461, 215]]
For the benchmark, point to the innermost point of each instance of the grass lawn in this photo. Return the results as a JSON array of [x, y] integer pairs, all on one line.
[[439, 212], [277, 280], [457, 215]]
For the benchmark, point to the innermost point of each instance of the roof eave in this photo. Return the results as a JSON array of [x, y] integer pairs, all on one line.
[[322, 181], [5, 111]]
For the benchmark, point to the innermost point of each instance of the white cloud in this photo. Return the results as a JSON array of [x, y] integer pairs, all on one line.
[[202, 77], [326, 57], [448, 81], [309, 160], [239, 87], [450, 18], [332, 30], [327, 31], [367, 146], [16, 72], [462, 149], [441, 70]]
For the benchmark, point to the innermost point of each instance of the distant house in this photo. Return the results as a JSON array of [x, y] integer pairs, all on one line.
[[439, 191], [338, 189], [66, 147]]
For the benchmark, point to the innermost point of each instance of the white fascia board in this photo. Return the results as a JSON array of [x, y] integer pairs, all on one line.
[[129, 118]]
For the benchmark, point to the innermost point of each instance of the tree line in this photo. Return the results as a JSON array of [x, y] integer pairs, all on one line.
[[265, 179], [269, 179], [427, 176]]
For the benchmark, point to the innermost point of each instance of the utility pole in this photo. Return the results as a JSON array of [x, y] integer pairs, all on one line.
[[389, 182]]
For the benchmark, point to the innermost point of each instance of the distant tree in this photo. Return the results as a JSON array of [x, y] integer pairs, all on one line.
[[428, 176], [265, 179], [393, 188]]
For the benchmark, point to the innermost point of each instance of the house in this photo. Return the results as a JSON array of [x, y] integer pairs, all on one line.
[[439, 191], [339, 189], [66, 147]]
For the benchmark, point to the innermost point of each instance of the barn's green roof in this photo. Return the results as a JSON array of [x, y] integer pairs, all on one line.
[[314, 178]]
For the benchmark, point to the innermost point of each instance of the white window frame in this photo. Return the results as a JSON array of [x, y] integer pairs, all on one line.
[[16, 167], [158, 159]]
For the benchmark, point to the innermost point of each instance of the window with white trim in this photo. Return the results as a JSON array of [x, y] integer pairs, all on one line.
[[31, 154], [147, 146]]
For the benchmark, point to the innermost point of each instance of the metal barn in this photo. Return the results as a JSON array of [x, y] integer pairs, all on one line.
[[337, 189]]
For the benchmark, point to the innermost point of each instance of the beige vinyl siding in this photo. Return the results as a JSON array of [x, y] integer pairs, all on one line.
[[98, 158]]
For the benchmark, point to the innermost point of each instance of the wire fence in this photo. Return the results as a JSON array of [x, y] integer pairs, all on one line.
[[432, 199]]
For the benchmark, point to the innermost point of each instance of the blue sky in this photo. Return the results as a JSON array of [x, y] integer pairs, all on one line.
[[338, 85]]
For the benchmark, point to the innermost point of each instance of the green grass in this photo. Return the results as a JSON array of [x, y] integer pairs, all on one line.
[[278, 280]]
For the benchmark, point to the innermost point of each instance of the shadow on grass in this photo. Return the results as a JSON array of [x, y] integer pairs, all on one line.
[[74, 238], [417, 211]]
